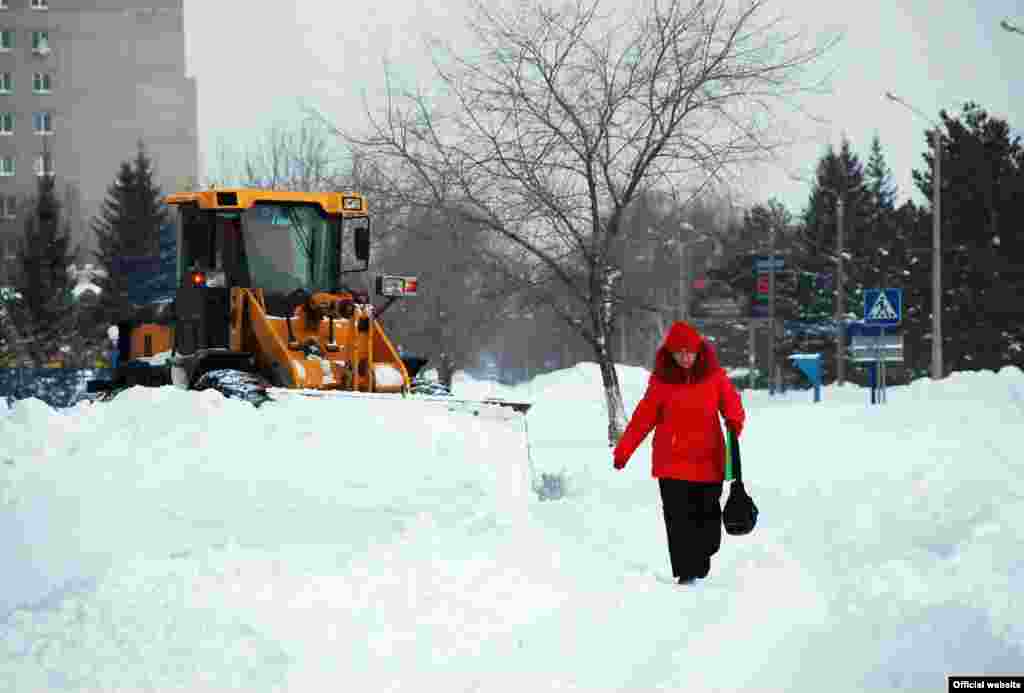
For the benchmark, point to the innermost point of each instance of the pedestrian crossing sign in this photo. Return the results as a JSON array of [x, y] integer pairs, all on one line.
[[883, 307]]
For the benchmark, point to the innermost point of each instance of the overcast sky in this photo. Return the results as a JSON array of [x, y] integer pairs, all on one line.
[[255, 68]]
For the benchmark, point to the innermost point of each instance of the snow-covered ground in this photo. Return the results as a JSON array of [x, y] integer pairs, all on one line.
[[178, 541]]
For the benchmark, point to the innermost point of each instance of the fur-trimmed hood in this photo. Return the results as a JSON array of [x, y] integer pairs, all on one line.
[[668, 371]]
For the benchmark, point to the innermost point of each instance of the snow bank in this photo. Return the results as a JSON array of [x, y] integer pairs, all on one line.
[[173, 540]]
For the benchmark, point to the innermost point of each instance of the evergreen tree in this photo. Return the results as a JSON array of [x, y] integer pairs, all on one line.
[[838, 173], [45, 311], [883, 249], [878, 179], [982, 239], [127, 229], [912, 266]]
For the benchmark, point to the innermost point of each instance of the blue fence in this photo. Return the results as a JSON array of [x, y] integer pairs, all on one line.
[[58, 387]]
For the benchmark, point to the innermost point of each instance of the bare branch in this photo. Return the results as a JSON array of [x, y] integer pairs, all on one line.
[[562, 118]]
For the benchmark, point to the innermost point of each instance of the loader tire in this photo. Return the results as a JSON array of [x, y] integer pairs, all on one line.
[[242, 385]]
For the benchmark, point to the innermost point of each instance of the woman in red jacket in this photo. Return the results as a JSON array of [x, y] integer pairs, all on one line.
[[685, 394]]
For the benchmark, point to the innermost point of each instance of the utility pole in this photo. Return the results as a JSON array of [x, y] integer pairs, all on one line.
[[775, 372], [686, 267], [840, 282], [840, 293], [684, 279], [937, 367], [938, 370]]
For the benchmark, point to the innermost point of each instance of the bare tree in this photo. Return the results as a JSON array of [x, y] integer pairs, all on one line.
[[461, 303], [563, 118], [299, 159]]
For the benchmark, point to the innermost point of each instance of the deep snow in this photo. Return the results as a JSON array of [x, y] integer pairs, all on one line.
[[180, 541]]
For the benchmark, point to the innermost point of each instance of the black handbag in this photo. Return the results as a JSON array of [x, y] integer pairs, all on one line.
[[740, 513]]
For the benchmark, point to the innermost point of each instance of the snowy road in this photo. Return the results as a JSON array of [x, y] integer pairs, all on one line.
[[174, 541]]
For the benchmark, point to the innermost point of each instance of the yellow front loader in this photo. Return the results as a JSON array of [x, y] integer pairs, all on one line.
[[261, 305]]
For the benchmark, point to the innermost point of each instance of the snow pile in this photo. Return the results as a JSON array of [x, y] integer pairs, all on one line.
[[172, 540]]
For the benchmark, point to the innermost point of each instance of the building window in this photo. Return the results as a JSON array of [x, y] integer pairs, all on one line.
[[41, 42], [6, 83], [7, 166], [6, 39], [44, 165], [42, 122], [8, 207], [40, 4], [41, 83], [6, 123]]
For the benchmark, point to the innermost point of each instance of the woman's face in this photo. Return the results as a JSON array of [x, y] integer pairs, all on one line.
[[685, 358]]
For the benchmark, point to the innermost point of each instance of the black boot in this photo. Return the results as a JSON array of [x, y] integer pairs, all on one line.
[[705, 567]]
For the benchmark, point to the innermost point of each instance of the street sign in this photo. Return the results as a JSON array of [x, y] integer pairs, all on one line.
[[763, 263], [810, 365], [720, 307], [718, 300], [871, 348], [883, 307], [763, 284]]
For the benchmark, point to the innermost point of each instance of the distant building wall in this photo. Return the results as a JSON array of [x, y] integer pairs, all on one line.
[[116, 74]]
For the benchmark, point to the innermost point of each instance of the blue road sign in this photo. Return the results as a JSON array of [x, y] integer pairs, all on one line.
[[763, 263], [883, 307], [810, 365]]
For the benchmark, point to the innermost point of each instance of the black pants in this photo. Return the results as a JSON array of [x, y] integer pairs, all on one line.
[[693, 521]]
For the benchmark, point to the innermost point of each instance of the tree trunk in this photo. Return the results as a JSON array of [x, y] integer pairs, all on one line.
[[613, 398], [610, 380]]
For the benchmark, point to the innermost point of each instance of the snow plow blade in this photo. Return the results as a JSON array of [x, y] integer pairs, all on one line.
[[453, 403]]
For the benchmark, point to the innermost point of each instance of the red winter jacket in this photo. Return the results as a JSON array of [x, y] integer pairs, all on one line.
[[683, 409]]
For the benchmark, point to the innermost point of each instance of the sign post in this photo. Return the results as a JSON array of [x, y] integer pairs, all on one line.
[[883, 308]]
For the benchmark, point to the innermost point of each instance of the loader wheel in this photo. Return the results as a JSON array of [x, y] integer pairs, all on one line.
[[242, 385]]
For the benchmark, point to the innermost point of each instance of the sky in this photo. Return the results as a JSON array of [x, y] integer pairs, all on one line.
[[285, 57], [173, 540]]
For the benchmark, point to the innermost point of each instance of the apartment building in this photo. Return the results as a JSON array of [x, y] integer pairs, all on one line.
[[81, 82]]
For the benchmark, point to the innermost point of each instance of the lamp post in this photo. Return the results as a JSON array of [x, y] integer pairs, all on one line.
[[776, 374], [1011, 28], [685, 274], [937, 367], [840, 305]]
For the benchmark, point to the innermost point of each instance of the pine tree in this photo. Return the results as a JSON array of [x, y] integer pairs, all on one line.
[[878, 179], [884, 246], [45, 312], [838, 173], [982, 241], [127, 229]]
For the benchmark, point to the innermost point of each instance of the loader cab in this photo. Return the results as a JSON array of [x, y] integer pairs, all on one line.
[[277, 247], [284, 244]]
